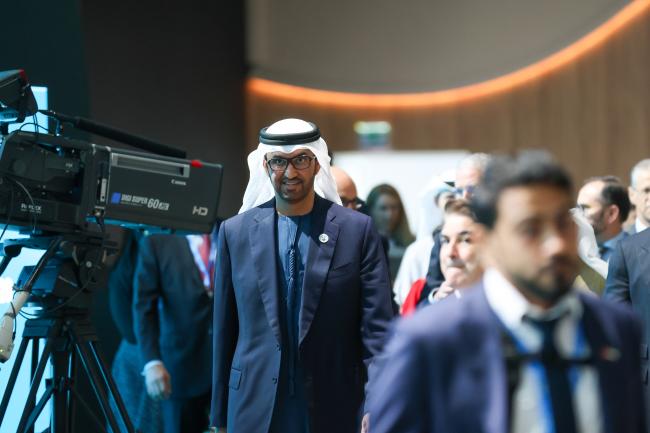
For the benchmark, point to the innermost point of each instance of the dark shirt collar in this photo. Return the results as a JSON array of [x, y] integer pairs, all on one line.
[[606, 248]]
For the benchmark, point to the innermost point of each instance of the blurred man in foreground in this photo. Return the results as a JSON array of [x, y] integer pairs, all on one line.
[[522, 350]]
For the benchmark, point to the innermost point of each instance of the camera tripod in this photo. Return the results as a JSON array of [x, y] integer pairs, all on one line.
[[70, 339]]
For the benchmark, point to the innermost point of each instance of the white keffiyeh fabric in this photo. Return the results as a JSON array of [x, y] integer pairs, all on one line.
[[260, 190], [587, 245]]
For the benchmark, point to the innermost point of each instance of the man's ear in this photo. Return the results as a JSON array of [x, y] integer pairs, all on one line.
[[267, 169], [317, 165], [612, 213]]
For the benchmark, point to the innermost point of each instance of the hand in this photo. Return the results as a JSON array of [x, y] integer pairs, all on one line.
[[444, 290], [158, 382], [365, 423]]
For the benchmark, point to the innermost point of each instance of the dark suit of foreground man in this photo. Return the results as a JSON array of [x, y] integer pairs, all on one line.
[[457, 366], [291, 354]]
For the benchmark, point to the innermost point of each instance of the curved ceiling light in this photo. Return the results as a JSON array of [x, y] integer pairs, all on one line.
[[539, 69]]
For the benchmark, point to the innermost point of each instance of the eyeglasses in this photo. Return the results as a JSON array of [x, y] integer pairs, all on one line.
[[299, 162], [460, 192], [352, 203]]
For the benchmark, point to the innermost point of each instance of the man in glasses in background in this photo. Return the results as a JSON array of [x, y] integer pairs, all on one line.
[[302, 296], [347, 190]]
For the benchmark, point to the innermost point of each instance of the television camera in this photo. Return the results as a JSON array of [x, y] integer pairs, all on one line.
[[69, 195]]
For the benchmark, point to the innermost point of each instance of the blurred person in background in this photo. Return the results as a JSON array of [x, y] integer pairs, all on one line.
[[640, 195], [605, 203], [346, 189], [144, 412], [387, 212], [461, 238], [468, 175], [415, 263], [173, 323]]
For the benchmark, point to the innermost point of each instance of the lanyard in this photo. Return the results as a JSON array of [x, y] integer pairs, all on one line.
[[539, 372]]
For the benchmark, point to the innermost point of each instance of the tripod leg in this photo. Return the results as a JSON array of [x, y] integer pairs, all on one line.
[[36, 411], [72, 402], [36, 381], [94, 377], [32, 402], [108, 379], [15, 369], [60, 361], [90, 412]]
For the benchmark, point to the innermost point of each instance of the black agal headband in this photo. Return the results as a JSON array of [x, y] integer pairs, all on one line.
[[291, 138]]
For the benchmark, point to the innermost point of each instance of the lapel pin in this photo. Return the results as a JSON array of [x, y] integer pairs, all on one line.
[[610, 354], [323, 238]]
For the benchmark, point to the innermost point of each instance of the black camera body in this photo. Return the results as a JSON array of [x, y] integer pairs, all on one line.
[[57, 184]]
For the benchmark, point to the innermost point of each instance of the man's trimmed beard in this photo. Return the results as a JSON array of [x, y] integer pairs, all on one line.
[[560, 285], [307, 187]]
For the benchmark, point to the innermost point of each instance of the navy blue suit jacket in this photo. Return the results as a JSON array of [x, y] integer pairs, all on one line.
[[628, 281], [443, 371], [173, 313], [345, 312]]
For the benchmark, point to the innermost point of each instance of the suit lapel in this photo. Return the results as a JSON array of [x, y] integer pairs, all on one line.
[[489, 365], [321, 251], [263, 247], [605, 348], [644, 246]]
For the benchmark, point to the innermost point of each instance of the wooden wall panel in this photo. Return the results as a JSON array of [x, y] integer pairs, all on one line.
[[593, 113]]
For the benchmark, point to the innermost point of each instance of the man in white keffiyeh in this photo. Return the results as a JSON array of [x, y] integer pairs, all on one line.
[[302, 296], [288, 138]]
